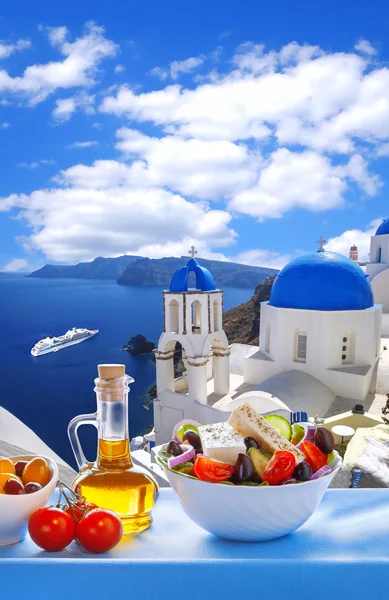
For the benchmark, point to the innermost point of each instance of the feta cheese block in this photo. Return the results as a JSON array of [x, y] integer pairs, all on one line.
[[249, 423], [221, 442]]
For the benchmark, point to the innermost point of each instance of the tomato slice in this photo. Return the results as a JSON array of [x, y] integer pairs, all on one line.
[[280, 467], [209, 469], [313, 455]]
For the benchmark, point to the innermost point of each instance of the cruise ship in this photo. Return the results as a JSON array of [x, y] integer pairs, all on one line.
[[71, 337]]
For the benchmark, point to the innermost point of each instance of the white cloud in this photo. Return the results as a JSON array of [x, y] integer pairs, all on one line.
[[259, 139], [36, 164], [343, 242], [383, 150], [95, 213], [16, 264], [66, 107], [82, 144], [30, 165], [356, 170], [326, 102], [8, 49], [300, 179], [177, 68], [57, 35], [77, 69], [196, 168], [4, 125], [365, 47], [262, 258], [119, 68]]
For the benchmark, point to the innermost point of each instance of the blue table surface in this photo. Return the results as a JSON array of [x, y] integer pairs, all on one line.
[[342, 550]]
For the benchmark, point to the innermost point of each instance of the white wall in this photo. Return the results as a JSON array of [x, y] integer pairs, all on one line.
[[380, 285], [385, 327], [376, 242], [171, 408], [325, 330]]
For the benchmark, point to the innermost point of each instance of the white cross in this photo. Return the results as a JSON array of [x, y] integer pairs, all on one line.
[[192, 251], [321, 243]]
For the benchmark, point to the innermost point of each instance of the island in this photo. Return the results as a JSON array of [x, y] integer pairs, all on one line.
[[138, 344], [140, 271]]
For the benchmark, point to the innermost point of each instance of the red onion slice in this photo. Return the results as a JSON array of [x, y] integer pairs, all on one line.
[[309, 433], [188, 453], [323, 471], [180, 424]]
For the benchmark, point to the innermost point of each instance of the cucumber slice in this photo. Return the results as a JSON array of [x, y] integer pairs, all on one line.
[[298, 434], [260, 459], [331, 458], [186, 467], [186, 427], [282, 425]]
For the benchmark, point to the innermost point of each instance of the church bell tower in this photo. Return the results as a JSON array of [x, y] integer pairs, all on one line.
[[193, 317]]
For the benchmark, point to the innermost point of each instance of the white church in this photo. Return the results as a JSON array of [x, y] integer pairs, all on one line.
[[319, 350], [378, 271]]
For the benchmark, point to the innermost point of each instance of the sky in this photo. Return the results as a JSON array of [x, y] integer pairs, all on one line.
[[247, 129]]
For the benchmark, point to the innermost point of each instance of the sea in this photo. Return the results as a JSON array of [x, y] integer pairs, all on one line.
[[46, 392]]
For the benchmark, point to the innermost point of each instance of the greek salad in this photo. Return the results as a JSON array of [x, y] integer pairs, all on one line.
[[249, 450]]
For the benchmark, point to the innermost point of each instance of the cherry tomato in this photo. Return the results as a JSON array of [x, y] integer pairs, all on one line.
[[280, 466], [79, 509], [99, 530], [313, 455], [209, 469], [51, 528]]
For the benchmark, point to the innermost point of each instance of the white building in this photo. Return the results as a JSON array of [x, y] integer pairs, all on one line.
[[378, 270], [320, 337], [192, 317], [320, 320]]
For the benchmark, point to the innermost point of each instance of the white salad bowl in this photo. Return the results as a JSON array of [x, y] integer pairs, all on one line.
[[15, 511], [246, 513]]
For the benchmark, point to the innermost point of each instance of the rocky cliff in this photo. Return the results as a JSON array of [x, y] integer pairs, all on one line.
[[136, 270], [99, 268], [147, 271], [241, 323]]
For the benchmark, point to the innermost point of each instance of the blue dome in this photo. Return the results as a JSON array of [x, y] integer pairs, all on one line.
[[322, 281], [204, 279], [383, 228]]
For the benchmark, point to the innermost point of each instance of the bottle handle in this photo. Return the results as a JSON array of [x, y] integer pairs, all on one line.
[[74, 439]]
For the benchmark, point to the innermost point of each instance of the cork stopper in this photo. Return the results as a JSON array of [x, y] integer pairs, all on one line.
[[108, 372]]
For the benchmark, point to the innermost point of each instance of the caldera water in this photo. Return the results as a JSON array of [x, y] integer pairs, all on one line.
[[46, 392]]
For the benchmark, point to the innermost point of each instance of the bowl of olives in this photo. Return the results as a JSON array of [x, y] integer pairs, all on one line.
[[26, 484]]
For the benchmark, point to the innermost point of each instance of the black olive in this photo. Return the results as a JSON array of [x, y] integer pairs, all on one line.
[[244, 469], [324, 440], [251, 443], [193, 438], [174, 448], [302, 472]]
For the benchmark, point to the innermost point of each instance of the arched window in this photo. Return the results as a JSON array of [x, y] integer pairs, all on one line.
[[174, 322], [300, 347], [348, 348], [267, 338], [191, 280], [216, 315], [379, 254], [196, 316]]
